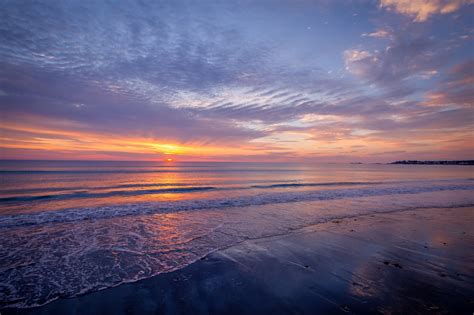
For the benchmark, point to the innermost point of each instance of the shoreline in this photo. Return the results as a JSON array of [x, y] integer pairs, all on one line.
[[259, 271]]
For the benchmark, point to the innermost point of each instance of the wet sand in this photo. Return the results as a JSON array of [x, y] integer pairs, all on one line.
[[410, 262]]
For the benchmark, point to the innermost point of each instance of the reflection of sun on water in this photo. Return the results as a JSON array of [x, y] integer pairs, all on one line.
[[168, 180]]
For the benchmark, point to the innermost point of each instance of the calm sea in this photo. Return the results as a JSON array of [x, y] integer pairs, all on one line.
[[69, 227]]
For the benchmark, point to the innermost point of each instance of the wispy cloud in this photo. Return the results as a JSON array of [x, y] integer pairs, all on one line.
[[378, 34]]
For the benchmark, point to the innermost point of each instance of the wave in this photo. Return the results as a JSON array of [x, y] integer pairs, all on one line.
[[75, 214], [78, 192], [92, 188], [82, 194], [294, 185], [164, 170], [94, 192]]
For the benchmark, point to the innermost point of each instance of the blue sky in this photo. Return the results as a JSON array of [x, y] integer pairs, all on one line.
[[237, 80]]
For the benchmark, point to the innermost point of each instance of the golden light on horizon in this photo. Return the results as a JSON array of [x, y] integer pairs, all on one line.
[[34, 140]]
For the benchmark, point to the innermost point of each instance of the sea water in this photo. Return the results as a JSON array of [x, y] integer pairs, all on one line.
[[70, 227]]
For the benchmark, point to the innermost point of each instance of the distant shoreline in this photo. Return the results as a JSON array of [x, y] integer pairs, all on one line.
[[460, 162]]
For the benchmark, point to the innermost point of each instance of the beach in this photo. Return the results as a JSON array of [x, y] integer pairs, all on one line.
[[417, 261]]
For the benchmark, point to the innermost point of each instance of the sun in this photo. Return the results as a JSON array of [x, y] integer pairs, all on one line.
[[169, 160]]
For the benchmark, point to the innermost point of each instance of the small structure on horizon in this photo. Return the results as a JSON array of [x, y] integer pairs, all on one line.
[[460, 162]]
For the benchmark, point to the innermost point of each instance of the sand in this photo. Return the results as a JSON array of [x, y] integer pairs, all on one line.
[[409, 262]]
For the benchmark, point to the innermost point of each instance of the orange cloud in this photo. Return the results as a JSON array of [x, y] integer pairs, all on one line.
[[358, 61], [422, 10], [15, 137]]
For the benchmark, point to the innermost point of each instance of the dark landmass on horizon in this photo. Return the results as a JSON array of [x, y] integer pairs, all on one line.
[[452, 162]]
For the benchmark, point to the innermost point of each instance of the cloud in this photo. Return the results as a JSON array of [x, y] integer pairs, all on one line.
[[406, 57], [123, 69], [455, 89], [378, 34], [360, 62], [422, 10]]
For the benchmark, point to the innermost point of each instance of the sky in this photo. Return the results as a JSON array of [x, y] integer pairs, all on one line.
[[280, 81]]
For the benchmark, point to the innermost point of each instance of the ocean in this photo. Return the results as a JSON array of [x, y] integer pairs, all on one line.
[[72, 227]]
